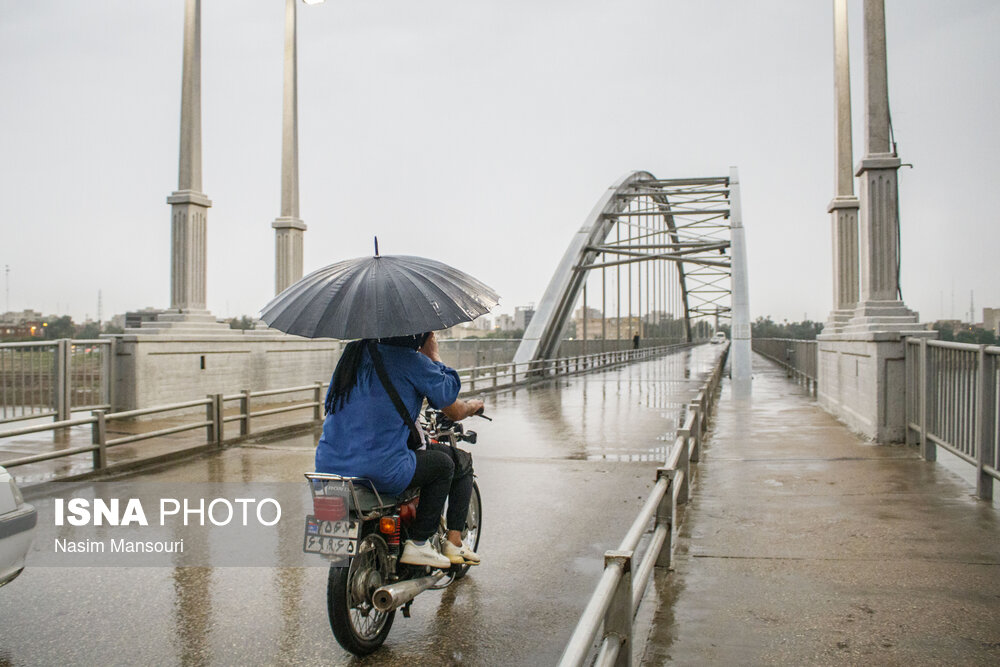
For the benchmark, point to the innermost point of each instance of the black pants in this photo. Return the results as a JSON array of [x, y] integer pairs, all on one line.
[[435, 475]]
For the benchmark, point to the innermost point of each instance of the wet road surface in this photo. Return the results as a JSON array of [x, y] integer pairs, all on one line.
[[563, 469]]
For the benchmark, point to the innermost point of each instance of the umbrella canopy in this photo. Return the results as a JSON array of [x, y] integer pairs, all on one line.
[[379, 297]]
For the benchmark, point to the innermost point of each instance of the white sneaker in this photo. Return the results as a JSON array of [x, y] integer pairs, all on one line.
[[462, 555], [414, 554]]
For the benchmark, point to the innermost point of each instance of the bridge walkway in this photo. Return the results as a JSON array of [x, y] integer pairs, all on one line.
[[804, 544]]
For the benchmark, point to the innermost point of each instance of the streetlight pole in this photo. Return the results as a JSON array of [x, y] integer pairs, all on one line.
[[289, 229]]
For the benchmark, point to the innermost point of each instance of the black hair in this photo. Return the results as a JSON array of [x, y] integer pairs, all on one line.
[[345, 376], [415, 341]]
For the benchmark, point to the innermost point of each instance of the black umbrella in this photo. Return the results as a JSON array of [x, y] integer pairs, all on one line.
[[379, 297]]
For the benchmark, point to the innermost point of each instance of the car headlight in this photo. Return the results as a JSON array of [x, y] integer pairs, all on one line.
[[18, 498]]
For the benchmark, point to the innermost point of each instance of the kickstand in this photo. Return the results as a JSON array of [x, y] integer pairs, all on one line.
[[406, 609]]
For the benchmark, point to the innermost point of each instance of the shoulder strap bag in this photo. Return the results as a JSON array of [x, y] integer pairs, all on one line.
[[415, 439]]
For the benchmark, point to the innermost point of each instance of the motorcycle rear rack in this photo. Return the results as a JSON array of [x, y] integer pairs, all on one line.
[[317, 485]]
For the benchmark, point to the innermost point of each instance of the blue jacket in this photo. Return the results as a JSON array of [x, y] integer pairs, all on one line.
[[366, 437]]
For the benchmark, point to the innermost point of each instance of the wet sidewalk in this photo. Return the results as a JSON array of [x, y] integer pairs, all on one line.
[[803, 544]]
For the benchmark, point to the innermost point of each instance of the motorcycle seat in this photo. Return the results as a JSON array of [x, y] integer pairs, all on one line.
[[368, 501]]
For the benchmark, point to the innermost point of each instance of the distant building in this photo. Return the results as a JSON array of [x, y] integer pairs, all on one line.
[[657, 317], [592, 328], [598, 327], [18, 325], [504, 322], [23, 329], [991, 320], [135, 318], [523, 315], [20, 317], [460, 331]]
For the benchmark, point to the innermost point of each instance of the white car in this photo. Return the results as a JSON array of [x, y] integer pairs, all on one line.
[[17, 528], [719, 337]]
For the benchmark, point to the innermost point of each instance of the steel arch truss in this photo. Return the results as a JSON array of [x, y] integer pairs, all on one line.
[[684, 221]]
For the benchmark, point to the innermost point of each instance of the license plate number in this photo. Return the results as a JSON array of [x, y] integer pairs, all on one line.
[[330, 538]]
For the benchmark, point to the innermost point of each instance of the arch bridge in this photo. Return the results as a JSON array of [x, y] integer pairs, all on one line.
[[654, 255]]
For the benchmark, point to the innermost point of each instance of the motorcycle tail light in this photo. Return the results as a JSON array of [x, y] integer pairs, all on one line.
[[330, 508]]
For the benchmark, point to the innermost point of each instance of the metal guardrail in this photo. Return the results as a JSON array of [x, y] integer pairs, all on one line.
[[953, 401], [54, 378], [799, 358], [622, 585], [504, 376], [213, 423], [508, 375]]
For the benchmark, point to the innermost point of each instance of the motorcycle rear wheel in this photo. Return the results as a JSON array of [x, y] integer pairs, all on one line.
[[357, 625]]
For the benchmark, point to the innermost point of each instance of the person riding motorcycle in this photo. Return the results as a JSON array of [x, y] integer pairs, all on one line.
[[364, 436]]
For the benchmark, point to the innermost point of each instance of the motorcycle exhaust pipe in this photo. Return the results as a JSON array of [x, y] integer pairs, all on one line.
[[393, 596]]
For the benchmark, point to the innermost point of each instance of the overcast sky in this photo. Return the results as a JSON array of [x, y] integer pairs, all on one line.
[[481, 134]]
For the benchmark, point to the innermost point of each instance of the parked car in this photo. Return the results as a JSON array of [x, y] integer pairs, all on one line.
[[17, 528], [719, 337]]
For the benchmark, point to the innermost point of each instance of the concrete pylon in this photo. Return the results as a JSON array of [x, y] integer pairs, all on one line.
[[189, 205], [844, 206], [861, 362], [879, 308], [288, 228], [740, 357]]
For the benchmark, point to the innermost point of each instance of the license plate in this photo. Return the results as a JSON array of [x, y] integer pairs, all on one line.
[[330, 538]]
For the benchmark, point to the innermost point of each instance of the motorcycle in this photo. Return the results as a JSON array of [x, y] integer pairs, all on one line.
[[361, 532]]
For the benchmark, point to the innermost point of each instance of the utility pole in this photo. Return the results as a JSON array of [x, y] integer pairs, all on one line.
[[7, 286], [99, 308]]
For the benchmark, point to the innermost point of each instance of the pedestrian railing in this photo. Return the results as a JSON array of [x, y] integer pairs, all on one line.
[[213, 422], [953, 401], [311, 397], [799, 358], [507, 375], [54, 378], [623, 583]]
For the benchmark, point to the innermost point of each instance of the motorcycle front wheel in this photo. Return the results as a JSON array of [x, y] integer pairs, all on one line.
[[358, 626], [473, 526]]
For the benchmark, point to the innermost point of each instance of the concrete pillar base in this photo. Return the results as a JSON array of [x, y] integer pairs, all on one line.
[[183, 321], [165, 365], [837, 320], [288, 245], [861, 380], [883, 316]]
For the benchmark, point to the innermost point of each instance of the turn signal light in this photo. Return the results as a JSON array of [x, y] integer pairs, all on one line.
[[387, 525]]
